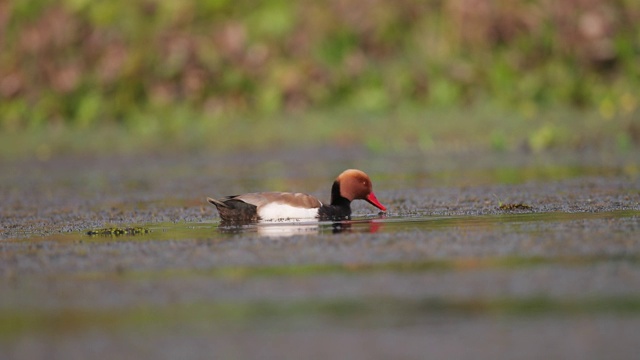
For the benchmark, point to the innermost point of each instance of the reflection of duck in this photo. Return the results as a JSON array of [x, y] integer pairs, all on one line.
[[284, 229], [370, 226], [287, 230], [348, 186]]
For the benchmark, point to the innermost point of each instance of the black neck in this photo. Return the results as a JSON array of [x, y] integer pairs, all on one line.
[[336, 198], [340, 208]]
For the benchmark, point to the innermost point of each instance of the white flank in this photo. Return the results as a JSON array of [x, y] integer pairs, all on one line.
[[276, 211]]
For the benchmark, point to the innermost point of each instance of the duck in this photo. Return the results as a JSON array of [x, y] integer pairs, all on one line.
[[350, 185]]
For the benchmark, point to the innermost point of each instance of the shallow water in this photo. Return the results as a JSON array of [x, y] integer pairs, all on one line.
[[371, 224], [446, 265]]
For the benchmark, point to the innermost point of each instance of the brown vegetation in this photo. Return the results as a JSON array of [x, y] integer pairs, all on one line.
[[94, 61]]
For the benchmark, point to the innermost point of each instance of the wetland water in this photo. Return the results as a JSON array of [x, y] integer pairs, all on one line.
[[447, 272]]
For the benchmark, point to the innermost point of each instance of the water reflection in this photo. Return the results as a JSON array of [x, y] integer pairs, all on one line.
[[272, 229], [285, 230]]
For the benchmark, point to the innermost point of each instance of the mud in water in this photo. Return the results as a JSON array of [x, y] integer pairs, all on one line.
[[512, 255]]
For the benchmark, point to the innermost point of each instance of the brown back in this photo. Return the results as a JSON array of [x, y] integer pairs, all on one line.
[[294, 199]]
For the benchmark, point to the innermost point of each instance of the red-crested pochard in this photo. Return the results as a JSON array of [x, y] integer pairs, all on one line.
[[350, 185]]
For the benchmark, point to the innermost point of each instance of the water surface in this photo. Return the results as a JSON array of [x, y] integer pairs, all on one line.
[[447, 265]]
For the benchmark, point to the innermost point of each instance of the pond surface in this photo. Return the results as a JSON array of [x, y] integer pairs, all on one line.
[[501, 256]]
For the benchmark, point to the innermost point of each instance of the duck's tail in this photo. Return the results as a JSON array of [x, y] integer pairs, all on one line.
[[217, 203]]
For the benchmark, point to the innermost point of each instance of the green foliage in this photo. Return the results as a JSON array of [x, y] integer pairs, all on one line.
[[83, 62]]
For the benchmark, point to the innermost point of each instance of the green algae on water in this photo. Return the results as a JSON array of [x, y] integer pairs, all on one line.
[[116, 231]]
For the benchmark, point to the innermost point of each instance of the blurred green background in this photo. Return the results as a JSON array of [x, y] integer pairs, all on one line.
[[221, 74]]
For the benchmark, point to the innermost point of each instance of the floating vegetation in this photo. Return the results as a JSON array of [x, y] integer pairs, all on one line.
[[518, 206], [512, 206], [116, 231]]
